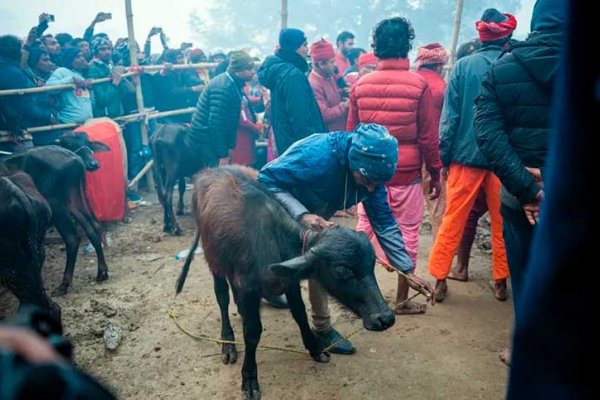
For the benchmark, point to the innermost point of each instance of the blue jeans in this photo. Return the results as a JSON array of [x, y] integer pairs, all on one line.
[[518, 235]]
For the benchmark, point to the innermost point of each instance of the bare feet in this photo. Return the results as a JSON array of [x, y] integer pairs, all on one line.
[[505, 356], [459, 273], [499, 289], [441, 290], [410, 308]]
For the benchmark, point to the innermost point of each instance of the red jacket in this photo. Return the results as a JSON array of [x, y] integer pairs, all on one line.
[[402, 102], [329, 99], [437, 85]]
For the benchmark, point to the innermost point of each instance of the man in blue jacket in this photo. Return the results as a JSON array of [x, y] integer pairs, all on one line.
[[17, 112], [326, 172]]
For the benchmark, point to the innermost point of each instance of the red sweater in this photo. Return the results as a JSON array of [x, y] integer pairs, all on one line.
[[329, 99], [402, 102]]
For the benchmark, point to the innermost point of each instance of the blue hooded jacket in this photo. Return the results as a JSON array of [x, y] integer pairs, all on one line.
[[313, 176]]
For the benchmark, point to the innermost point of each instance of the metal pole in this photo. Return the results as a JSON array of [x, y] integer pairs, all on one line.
[[456, 31], [284, 13], [133, 50]]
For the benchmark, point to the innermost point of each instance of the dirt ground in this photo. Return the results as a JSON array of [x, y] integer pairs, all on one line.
[[450, 352]]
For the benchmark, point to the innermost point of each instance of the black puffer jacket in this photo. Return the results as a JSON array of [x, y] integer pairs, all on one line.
[[215, 121], [295, 113], [512, 117]]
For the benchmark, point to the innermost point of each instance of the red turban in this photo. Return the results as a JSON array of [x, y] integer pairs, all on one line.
[[433, 53], [489, 31], [367, 59], [321, 50]]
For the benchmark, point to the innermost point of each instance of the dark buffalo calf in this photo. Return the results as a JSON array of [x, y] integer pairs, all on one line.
[[173, 161], [59, 175], [24, 219], [252, 244]]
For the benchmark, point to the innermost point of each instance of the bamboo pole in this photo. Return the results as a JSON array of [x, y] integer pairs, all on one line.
[[51, 88], [125, 118], [284, 13], [455, 32], [45, 128], [140, 174], [138, 86]]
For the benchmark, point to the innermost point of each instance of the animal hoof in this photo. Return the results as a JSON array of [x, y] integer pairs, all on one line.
[[60, 291], [180, 212], [250, 390], [178, 232], [102, 276], [229, 354], [322, 357], [167, 229]]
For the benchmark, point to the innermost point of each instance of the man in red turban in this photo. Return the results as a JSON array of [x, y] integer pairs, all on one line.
[[468, 171]]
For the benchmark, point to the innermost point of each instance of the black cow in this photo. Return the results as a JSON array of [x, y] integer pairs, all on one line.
[[59, 174], [24, 219], [173, 161], [253, 245]]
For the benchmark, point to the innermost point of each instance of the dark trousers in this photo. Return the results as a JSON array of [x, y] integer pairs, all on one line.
[[133, 141], [518, 235]]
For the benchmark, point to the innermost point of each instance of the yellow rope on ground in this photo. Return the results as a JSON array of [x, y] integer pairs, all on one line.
[[173, 316]]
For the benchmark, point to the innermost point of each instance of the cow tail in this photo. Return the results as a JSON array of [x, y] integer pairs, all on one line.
[[188, 262]]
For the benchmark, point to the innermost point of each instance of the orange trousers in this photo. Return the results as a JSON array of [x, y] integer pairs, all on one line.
[[461, 191]]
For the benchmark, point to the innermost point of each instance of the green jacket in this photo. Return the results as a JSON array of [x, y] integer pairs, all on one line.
[[107, 97]]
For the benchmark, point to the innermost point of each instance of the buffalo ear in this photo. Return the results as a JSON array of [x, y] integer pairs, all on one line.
[[291, 268], [98, 147]]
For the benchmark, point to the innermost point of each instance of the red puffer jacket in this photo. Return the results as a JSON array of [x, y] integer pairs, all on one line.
[[402, 102]]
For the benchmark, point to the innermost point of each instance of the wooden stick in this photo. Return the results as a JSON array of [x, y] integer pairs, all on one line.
[[142, 172], [53, 88], [125, 118], [139, 97], [455, 32], [171, 113], [38, 129], [284, 13]]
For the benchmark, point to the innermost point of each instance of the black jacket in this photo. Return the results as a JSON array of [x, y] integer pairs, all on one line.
[[512, 117], [19, 111], [215, 121], [295, 113]]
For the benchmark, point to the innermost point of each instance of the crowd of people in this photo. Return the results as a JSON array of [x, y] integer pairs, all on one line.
[[44, 59], [349, 131]]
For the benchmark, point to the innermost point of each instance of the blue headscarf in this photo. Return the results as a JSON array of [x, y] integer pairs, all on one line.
[[373, 152]]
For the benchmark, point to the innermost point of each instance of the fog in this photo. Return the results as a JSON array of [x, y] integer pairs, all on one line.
[[254, 24]]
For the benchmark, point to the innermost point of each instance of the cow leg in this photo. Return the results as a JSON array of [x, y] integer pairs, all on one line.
[[68, 233], [25, 282], [159, 179], [93, 232], [250, 304], [180, 206], [229, 352], [298, 310], [236, 299], [171, 225]]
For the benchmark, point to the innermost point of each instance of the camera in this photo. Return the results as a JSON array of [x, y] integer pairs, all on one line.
[[50, 18], [39, 321], [108, 15]]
